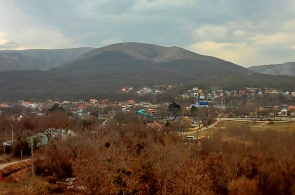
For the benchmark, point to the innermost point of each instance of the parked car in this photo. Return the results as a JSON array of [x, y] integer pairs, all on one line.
[[190, 137]]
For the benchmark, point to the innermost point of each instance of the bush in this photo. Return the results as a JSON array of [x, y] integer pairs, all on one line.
[[21, 147], [54, 159], [131, 159]]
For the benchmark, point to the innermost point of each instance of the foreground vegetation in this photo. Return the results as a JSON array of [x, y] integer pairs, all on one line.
[[129, 158]]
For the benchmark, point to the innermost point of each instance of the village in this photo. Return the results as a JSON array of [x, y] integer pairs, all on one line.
[[29, 127], [190, 110], [273, 101]]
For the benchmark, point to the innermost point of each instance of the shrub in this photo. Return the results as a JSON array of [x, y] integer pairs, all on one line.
[[54, 159]]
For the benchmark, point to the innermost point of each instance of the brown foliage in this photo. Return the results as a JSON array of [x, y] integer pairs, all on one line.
[[54, 159], [131, 159]]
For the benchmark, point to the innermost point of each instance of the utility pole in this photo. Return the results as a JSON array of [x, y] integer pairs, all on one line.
[[32, 155], [33, 143], [11, 140]]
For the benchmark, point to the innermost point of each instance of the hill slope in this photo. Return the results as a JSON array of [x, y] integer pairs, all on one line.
[[103, 71], [37, 59], [132, 55], [287, 68]]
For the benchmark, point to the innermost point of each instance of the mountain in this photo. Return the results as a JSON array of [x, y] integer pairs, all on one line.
[[287, 68], [136, 57], [152, 53], [37, 59], [104, 71]]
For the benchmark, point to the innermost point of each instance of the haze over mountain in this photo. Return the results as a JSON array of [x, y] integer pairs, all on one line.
[[287, 68], [37, 59], [102, 73], [127, 55]]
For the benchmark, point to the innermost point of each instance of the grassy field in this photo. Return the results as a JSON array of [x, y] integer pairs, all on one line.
[[26, 186], [221, 126]]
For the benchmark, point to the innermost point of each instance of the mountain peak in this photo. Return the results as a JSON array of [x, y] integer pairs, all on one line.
[[149, 52], [107, 69]]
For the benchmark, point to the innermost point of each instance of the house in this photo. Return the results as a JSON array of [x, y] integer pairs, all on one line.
[[105, 101], [4, 105], [26, 104], [203, 104], [37, 140], [53, 133], [49, 134], [143, 113], [7, 146], [130, 102], [154, 125], [81, 107], [283, 113], [127, 89], [145, 104], [93, 101], [291, 108]]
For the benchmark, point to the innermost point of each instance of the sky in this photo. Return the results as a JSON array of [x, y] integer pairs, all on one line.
[[244, 32]]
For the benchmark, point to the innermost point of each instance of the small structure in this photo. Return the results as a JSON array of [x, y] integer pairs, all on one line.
[[38, 140], [104, 101], [190, 137], [48, 135], [143, 112], [195, 126], [283, 113], [53, 133], [7, 146], [203, 104], [93, 101]]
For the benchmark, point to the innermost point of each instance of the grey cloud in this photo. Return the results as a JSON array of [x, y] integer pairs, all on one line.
[[9, 45], [280, 51], [96, 22]]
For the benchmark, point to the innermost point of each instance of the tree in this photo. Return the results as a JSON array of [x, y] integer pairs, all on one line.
[[174, 108], [194, 111], [162, 112], [56, 107]]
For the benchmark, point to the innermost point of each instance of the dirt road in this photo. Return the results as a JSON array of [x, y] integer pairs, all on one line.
[[3, 165]]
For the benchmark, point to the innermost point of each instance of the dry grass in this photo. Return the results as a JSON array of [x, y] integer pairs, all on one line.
[[254, 125], [4, 158], [30, 185], [15, 188], [237, 159]]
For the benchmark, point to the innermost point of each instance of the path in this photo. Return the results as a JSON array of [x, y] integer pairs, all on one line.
[[3, 165], [202, 128]]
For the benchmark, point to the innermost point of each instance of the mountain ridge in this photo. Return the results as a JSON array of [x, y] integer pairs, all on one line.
[[38, 59], [104, 71], [148, 51], [287, 68], [156, 54]]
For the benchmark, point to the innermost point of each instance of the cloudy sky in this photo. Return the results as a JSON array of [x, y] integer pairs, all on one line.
[[241, 31]]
